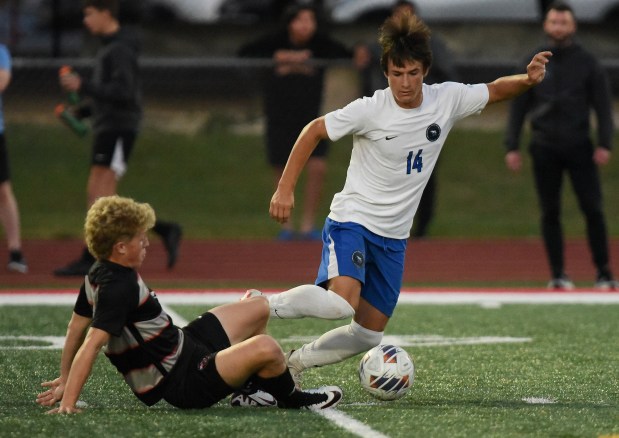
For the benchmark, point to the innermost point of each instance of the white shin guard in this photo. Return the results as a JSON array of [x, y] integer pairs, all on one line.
[[309, 300], [336, 345]]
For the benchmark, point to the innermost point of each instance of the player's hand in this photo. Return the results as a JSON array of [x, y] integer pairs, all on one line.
[[71, 82], [53, 394], [536, 70], [281, 206], [513, 161], [64, 410], [601, 156]]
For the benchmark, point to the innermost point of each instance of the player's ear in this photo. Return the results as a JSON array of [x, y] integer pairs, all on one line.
[[120, 247]]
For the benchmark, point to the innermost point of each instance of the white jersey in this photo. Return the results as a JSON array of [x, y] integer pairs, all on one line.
[[394, 152]]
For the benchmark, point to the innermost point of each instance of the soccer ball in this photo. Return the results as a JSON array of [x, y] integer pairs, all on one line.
[[386, 372]]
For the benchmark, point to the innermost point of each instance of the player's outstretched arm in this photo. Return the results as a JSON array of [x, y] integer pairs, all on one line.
[[508, 87], [80, 370], [282, 201], [76, 331]]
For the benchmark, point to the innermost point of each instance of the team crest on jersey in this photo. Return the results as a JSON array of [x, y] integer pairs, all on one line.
[[433, 132], [358, 259]]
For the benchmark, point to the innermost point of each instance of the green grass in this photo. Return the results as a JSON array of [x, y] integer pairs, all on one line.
[[459, 390], [217, 184]]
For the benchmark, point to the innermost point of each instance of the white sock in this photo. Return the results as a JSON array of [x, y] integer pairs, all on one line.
[[309, 300], [335, 346]]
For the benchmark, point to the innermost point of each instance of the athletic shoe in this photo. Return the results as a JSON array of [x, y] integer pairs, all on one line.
[[171, 242], [17, 263], [247, 398], [561, 283], [286, 236], [312, 235], [606, 282], [78, 267], [296, 371], [317, 399]]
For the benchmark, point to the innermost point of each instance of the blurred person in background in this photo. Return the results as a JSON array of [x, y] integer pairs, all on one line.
[[443, 70], [116, 108], [292, 97], [9, 211], [559, 111]]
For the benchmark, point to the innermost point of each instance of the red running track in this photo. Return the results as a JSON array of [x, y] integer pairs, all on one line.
[[432, 261]]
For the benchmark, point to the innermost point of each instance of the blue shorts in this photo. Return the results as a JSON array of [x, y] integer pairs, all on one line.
[[377, 262]]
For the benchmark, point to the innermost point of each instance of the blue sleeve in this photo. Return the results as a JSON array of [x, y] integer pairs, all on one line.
[[5, 58]]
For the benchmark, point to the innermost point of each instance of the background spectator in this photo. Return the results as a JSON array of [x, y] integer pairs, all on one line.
[[559, 110]]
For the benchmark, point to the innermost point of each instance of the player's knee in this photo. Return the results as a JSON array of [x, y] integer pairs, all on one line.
[[266, 348], [341, 308], [262, 306]]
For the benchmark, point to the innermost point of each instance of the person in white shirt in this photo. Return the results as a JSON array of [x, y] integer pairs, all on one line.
[[398, 134]]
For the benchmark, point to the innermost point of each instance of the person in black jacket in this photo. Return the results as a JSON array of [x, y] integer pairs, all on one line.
[[223, 350], [292, 97], [116, 109], [559, 110]]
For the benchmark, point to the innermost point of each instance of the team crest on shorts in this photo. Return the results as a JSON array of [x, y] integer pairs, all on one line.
[[358, 259], [204, 362], [433, 132]]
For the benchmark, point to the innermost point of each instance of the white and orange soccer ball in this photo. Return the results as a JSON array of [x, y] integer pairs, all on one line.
[[387, 372]]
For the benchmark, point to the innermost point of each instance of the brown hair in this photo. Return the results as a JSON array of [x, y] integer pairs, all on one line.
[[404, 37], [103, 5]]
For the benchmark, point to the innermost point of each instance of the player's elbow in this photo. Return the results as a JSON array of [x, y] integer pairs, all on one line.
[[317, 129]]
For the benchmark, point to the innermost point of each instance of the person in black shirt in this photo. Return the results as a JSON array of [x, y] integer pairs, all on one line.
[[292, 97], [559, 110], [115, 93], [223, 350]]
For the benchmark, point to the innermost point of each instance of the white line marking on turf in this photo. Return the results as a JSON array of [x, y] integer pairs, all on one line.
[[176, 318], [428, 340], [538, 400], [53, 342], [350, 424], [214, 297]]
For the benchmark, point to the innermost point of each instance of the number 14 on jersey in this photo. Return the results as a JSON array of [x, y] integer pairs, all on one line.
[[415, 163]]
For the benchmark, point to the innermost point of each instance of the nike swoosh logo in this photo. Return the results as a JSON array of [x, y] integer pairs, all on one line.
[[390, 137]]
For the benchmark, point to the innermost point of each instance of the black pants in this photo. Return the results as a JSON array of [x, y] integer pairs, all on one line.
[[548, 169], [425, 211]]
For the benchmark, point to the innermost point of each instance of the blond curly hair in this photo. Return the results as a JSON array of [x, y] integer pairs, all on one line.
[[112, 219]]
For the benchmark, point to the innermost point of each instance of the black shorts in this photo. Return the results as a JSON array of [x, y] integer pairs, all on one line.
[[112, 149], [195, 382], [280, 140], [5, 175]]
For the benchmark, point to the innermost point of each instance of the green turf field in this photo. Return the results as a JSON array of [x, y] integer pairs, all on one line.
[[217, 184], [558, 378]]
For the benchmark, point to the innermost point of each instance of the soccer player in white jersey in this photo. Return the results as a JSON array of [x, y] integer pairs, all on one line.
[[397, 134]]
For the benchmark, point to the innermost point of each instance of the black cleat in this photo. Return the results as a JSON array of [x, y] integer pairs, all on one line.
[[317, 399], [17, 262], [78, 267]]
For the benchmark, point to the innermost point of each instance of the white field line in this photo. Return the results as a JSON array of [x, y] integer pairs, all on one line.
[[350, 424], [486, 299]]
